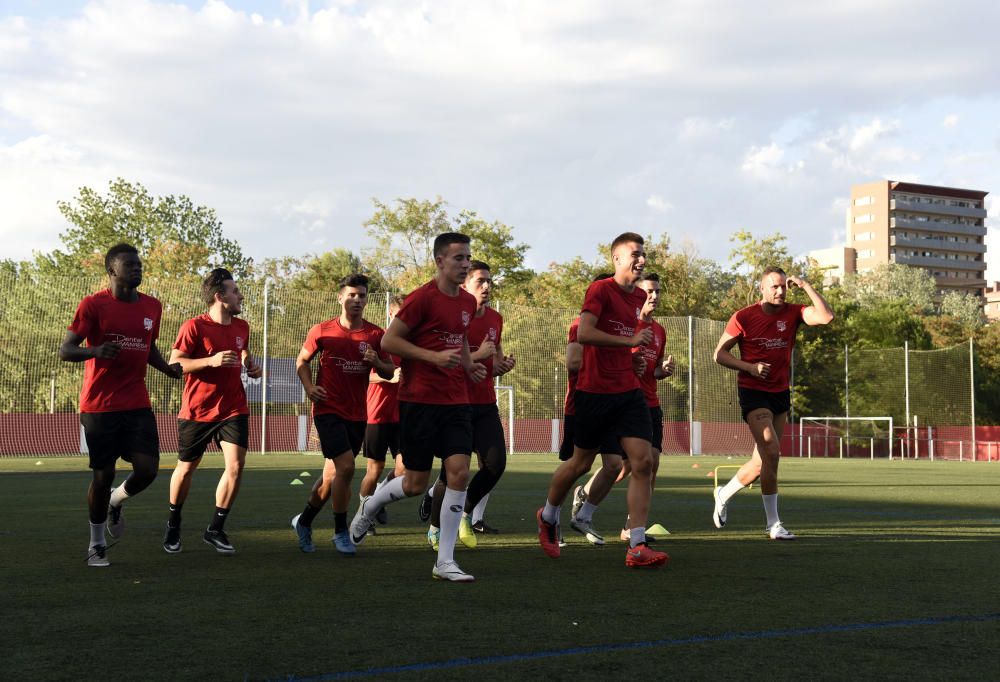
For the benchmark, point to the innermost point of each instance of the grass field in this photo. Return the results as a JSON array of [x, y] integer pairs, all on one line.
[[896, 575]]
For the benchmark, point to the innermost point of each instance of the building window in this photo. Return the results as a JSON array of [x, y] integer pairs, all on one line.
[[864, 201], [864, 236], [866, 253], [864, 218]]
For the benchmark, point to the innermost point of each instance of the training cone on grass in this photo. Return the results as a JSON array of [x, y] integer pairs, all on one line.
[[305, 474], [657, 530], [296, 481]]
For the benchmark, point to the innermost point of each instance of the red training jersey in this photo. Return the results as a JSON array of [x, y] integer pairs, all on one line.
[[119, 384], [213, 394], [569, 407], [383, 399], [489, 325], [343, 371], [608, 369], [653, 353], [766, 338], [437, 322]]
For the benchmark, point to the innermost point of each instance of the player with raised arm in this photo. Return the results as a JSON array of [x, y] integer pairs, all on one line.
[[348, 348], [120, 326], [608, 399], [212, 349], [765, 333], [435, 419]]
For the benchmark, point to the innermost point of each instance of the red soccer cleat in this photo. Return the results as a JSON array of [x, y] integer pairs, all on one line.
[[548, 535], [641, 556]]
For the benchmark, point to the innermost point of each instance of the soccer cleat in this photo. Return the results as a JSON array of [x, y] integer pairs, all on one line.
[[719, 513], [382, 516], [562, 540], [424, 511], [484, 528], [218, 539], [116, 521], [305, 534], [97, 556], [361, 523], [342, 541], [779, 532], [548, 535], [466, 534], [172, 540], [434, 538], [449, 570], [642, 556], [579, 497], [625, 535], [586, 529]]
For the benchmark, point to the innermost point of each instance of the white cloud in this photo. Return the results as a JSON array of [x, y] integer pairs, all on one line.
[[697, 127], [950, 121], [659, 204]]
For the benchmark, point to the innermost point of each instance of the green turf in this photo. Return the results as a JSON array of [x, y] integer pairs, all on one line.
[[880, 541]]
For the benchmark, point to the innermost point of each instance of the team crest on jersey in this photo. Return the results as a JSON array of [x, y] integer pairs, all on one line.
[[638, 311], [466, 317], [782, 326], [239, 343], [363, 347], [147, 323], [493, 334]]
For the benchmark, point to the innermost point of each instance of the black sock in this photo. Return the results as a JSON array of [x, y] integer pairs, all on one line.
[[175, 516], [339, 521], [307, 516], [218, 519]]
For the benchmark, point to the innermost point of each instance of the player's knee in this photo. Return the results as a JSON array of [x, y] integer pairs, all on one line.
[[458, 480], [642, 467], [235, 468]]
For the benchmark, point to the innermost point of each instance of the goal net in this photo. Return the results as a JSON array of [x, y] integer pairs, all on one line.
[[846, 437]]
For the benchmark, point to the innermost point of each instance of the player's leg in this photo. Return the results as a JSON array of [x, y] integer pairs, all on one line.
[[180, 484], [435, 494], [656, 419], [456, 468], [334, 442], [375, 447], [233, 444], [750, 400], [767, 429], [586, 502], [141, 444], [98, 494], [491, 448]]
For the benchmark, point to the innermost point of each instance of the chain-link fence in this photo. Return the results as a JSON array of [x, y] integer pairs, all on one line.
[[39, 395]]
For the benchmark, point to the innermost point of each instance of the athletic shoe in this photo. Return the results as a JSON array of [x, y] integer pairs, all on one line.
[[562, 540], [434, 538], [305, 534], [641, 556], [98, 556], [484, 528], [625, 535], [382, 517], [172, 540], [449, 570], [579, 497], [548, 535], [361, 522], [719, 514], [424, 511], [586, 529], [116, 521], [779, 532], [466, 534], [218, 539], [342, 541]]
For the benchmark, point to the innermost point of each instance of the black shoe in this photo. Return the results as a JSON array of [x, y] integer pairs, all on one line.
[[172, 540], [425, 507], [218, 539], [481, 526]]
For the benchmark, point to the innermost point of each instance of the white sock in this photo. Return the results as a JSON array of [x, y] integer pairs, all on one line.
[[433, 528], [730, 489], [550, 514], [430, 491], [637, 536], [452, 505], [771, 509], [480, 509], [96, 534], [586, 512], [390, 492], [118, 496]]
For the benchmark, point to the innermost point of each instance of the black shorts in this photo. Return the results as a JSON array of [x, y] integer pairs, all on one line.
[[610, 445], [380, 438], [338, 435], [193, 437], [751, 399], [656, 420], [429, 431], [622, 415], [487, 430], [111, 435]]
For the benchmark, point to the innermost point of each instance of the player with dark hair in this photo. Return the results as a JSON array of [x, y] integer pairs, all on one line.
[[348, 348], [608, 399], [765, 333], [212, 349], [120, 326], [429, 334]]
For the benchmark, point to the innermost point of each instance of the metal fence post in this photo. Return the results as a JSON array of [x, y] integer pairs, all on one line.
[[264, 375], [906, 389], [972, 393], [690, 385]]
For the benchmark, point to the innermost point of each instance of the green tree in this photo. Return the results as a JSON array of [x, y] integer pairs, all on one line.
[[966, 309], [892, 282]]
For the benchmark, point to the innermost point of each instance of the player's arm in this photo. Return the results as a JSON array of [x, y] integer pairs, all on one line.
[[475, 370], [589, 334], [487, 349], [174, 370], [304, 372], [502, 363], [377, 379], [819, 312], [574, 356], [225, 358], [664, 368], [724, 356], [383, 366], [397, 342], [254, 371], [70, 349]]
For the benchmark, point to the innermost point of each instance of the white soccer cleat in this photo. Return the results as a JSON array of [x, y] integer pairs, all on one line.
[[779, 532], [361, 523], [97, 555], [579, 497], [719, 514], [449, 570], [586, 529]]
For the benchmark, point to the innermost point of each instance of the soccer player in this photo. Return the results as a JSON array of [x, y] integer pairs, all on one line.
[[435, 419], [608, 398], [120, 326], [348, 348], [765, 334], [485, 346], [212, 349]]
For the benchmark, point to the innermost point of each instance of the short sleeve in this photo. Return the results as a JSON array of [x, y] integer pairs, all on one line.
[[594, 301], [157, 314], [84, 318], [733, 327], [187, 337], [571, 336], [311, 344], [411, 312]]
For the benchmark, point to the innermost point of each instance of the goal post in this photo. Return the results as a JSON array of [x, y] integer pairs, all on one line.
[[870, 429]]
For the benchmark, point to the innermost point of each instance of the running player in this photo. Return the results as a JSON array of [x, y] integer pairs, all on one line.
[[429, 334], [765, 334], [608, 398], [348, 348], [120, 326], [212, 349]]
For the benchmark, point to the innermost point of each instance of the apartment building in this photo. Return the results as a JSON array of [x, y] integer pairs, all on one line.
[[991, 306]]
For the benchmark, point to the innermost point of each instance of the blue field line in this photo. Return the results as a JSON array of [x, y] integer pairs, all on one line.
[[648, 644]]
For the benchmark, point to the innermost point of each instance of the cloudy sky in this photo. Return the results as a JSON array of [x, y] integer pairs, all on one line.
[[569, 120]]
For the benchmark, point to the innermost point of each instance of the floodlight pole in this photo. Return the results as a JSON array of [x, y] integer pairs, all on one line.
[[972, 393], [263, 375], [690, 385]]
